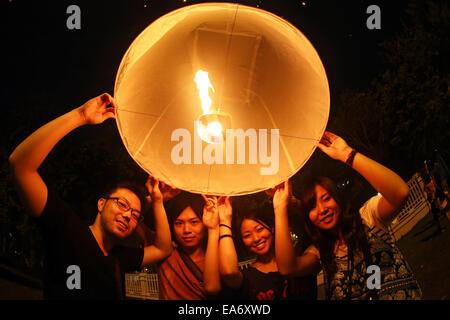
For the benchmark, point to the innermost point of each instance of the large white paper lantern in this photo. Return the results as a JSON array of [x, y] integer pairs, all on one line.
[[264, 75]]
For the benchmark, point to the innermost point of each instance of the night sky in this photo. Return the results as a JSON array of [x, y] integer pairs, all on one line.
[[45, 60]]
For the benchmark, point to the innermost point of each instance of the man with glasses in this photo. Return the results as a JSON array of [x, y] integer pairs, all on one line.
[[85, 262]]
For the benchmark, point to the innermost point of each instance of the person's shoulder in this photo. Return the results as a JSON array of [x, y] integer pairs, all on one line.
[[57, 211], [369, 212], [129, 257], [125, 251], [370, 206], [312, 249]]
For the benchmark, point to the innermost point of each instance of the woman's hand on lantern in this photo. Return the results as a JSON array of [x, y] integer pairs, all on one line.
[[271, 192], [168, 192], [225, 210], [153, 189], [98, 109], [334, 146], [210, 213], [283, 196], [294, 203]]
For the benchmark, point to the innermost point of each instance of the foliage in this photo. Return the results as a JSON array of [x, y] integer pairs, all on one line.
[[403, 116]]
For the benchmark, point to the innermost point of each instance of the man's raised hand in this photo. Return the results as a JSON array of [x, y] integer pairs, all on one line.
[[98, 109]]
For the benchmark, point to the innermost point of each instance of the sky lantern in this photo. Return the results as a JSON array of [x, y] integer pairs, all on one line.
[[221, 98]]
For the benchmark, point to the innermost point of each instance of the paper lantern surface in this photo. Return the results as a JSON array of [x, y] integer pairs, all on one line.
[[265, 75]]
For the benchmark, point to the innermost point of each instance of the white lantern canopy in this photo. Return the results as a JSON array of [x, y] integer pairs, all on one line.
[[268, 92]]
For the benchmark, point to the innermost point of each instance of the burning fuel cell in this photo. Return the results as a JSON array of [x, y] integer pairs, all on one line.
[[211, 124]]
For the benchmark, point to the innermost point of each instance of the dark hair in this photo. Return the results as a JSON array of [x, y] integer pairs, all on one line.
[[136, 189], [349, 224], [175, 206], [181, 202]]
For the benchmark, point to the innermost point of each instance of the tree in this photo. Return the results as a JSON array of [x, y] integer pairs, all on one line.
[[403, 116]]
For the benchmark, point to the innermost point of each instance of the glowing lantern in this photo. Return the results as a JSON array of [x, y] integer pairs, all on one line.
[[221, 98]]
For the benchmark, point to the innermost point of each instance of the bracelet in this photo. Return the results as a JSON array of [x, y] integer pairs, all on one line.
[[225, 235], [224, 225], [350, 158]]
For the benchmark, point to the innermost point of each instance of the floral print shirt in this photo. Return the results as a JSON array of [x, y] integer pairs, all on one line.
[[397, 279]]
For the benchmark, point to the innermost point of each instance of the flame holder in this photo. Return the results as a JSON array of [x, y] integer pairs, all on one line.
[[205, 119]]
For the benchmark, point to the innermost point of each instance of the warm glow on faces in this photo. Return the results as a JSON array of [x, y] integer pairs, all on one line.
[[256, 237], [188, 228], [326, 212], [113, 219]]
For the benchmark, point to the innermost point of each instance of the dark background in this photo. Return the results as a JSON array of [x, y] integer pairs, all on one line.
[[389, 93]]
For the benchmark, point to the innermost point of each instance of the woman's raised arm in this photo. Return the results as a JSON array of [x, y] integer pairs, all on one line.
[[391, 186], [228, 259]]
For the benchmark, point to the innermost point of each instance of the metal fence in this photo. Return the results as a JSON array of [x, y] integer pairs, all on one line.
[[143, 285], [414, 210]]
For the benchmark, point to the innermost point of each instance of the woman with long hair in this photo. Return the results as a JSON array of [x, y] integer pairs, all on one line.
[[350, 246]]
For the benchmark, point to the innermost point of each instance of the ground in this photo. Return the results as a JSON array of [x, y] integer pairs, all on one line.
[[428, 253]]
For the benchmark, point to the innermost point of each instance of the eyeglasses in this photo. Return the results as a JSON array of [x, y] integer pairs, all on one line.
[[124, 206]]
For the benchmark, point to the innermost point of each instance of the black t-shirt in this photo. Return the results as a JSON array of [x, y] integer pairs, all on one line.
[[68, 241], [258, 285], [302, 288]]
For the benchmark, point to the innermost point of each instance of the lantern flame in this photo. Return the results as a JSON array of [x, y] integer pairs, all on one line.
[[203, 85], [209, 129]]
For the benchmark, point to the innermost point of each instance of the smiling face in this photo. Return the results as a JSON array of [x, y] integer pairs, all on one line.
[[188, 229], [326, 212], [114, 220], [257, 238]]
